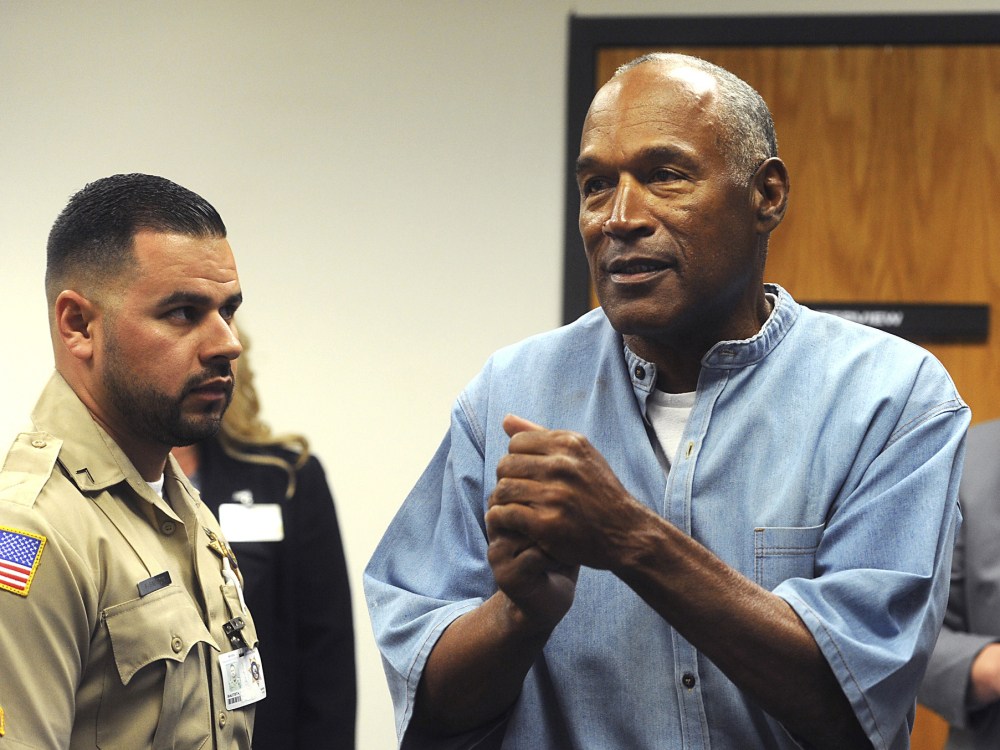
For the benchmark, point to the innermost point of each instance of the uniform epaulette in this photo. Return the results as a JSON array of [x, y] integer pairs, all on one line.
[[28, 466]]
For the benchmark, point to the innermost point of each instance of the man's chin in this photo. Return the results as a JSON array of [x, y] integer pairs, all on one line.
[[685, 334], [195, 429], [633, 319]]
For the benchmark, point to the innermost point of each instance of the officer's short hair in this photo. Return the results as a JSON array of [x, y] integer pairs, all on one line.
[[90, 245]]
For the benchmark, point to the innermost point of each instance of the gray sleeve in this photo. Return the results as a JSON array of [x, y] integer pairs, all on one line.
[[945, 686]]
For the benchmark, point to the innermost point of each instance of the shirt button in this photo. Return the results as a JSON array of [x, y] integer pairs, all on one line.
[[222, 719], [640, 372], [168, 527], [176, 644], [38, 443], [688, 680]]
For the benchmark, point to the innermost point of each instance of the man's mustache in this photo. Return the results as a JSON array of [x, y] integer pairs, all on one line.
[[213, 372]]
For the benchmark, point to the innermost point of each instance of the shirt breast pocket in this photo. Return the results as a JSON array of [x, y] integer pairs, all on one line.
[[783, 552], [156, 686]]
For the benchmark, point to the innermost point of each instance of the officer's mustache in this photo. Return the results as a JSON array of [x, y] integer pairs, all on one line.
[[210, 373]]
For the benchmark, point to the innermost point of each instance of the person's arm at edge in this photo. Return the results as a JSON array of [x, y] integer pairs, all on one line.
[[963, 675]]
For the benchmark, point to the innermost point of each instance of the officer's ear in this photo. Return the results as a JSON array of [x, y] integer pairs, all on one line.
[[76, 319], [769, 189]]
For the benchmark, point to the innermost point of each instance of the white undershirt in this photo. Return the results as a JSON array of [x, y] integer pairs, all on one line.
[[668, 413], [157, 486]]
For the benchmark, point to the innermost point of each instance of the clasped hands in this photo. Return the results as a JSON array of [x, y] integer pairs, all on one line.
[[557, 505]]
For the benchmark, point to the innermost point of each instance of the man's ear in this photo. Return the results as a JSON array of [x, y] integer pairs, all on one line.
[[769, 188], [76, 319]]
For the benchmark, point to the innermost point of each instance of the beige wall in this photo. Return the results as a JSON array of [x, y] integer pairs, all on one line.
[[391, 175]]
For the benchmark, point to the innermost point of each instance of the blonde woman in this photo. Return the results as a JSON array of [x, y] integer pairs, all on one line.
[[277, 512]]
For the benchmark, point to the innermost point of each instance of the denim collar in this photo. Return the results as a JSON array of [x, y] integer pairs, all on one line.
[[725, 355], [728, 355]]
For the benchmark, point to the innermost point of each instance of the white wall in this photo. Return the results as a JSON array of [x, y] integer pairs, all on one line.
[[391, 175]]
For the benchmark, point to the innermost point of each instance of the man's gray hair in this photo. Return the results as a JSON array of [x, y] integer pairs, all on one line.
[[747, 130]]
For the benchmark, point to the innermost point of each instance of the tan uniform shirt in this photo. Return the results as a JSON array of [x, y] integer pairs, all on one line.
[[85, 661]]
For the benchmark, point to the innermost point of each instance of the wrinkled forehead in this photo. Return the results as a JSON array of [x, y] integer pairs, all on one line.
[[654, 91]]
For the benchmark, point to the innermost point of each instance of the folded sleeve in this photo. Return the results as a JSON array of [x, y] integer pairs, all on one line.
[[879, 594], [431, 565]]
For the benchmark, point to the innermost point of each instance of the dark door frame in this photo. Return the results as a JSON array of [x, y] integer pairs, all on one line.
[[588, 35]]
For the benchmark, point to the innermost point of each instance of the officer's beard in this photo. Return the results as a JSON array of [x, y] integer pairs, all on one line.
[[154, 414]]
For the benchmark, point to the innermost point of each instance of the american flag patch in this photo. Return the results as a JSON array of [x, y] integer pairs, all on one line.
[[20, 552]]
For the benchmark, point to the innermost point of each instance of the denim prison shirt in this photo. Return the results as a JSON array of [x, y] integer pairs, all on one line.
[[821, 460]]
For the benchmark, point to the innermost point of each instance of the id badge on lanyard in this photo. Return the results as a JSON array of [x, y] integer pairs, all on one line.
[[242, 677], [242, 670]]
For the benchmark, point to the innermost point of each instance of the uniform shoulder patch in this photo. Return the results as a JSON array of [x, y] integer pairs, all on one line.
[[20, 552]]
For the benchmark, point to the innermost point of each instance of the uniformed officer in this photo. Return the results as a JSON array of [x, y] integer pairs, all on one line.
[[122, 619]]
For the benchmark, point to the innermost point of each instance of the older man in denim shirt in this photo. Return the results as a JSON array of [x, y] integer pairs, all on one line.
[[700, 516]]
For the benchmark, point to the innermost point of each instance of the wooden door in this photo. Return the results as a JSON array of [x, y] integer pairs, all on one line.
[[894, 156]]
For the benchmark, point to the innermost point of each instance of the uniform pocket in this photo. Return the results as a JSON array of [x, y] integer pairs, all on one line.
[[159, 674], [783, 552]]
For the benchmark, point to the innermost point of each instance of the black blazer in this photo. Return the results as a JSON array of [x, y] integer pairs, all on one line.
[[298, 594]]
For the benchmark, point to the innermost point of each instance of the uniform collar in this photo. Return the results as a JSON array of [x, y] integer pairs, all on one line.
[[91, 458]]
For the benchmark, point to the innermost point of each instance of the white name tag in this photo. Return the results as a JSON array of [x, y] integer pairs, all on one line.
[[242, 677], [251, 523]]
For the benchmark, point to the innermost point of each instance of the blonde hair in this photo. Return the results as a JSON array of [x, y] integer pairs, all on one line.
[[243, 431]]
